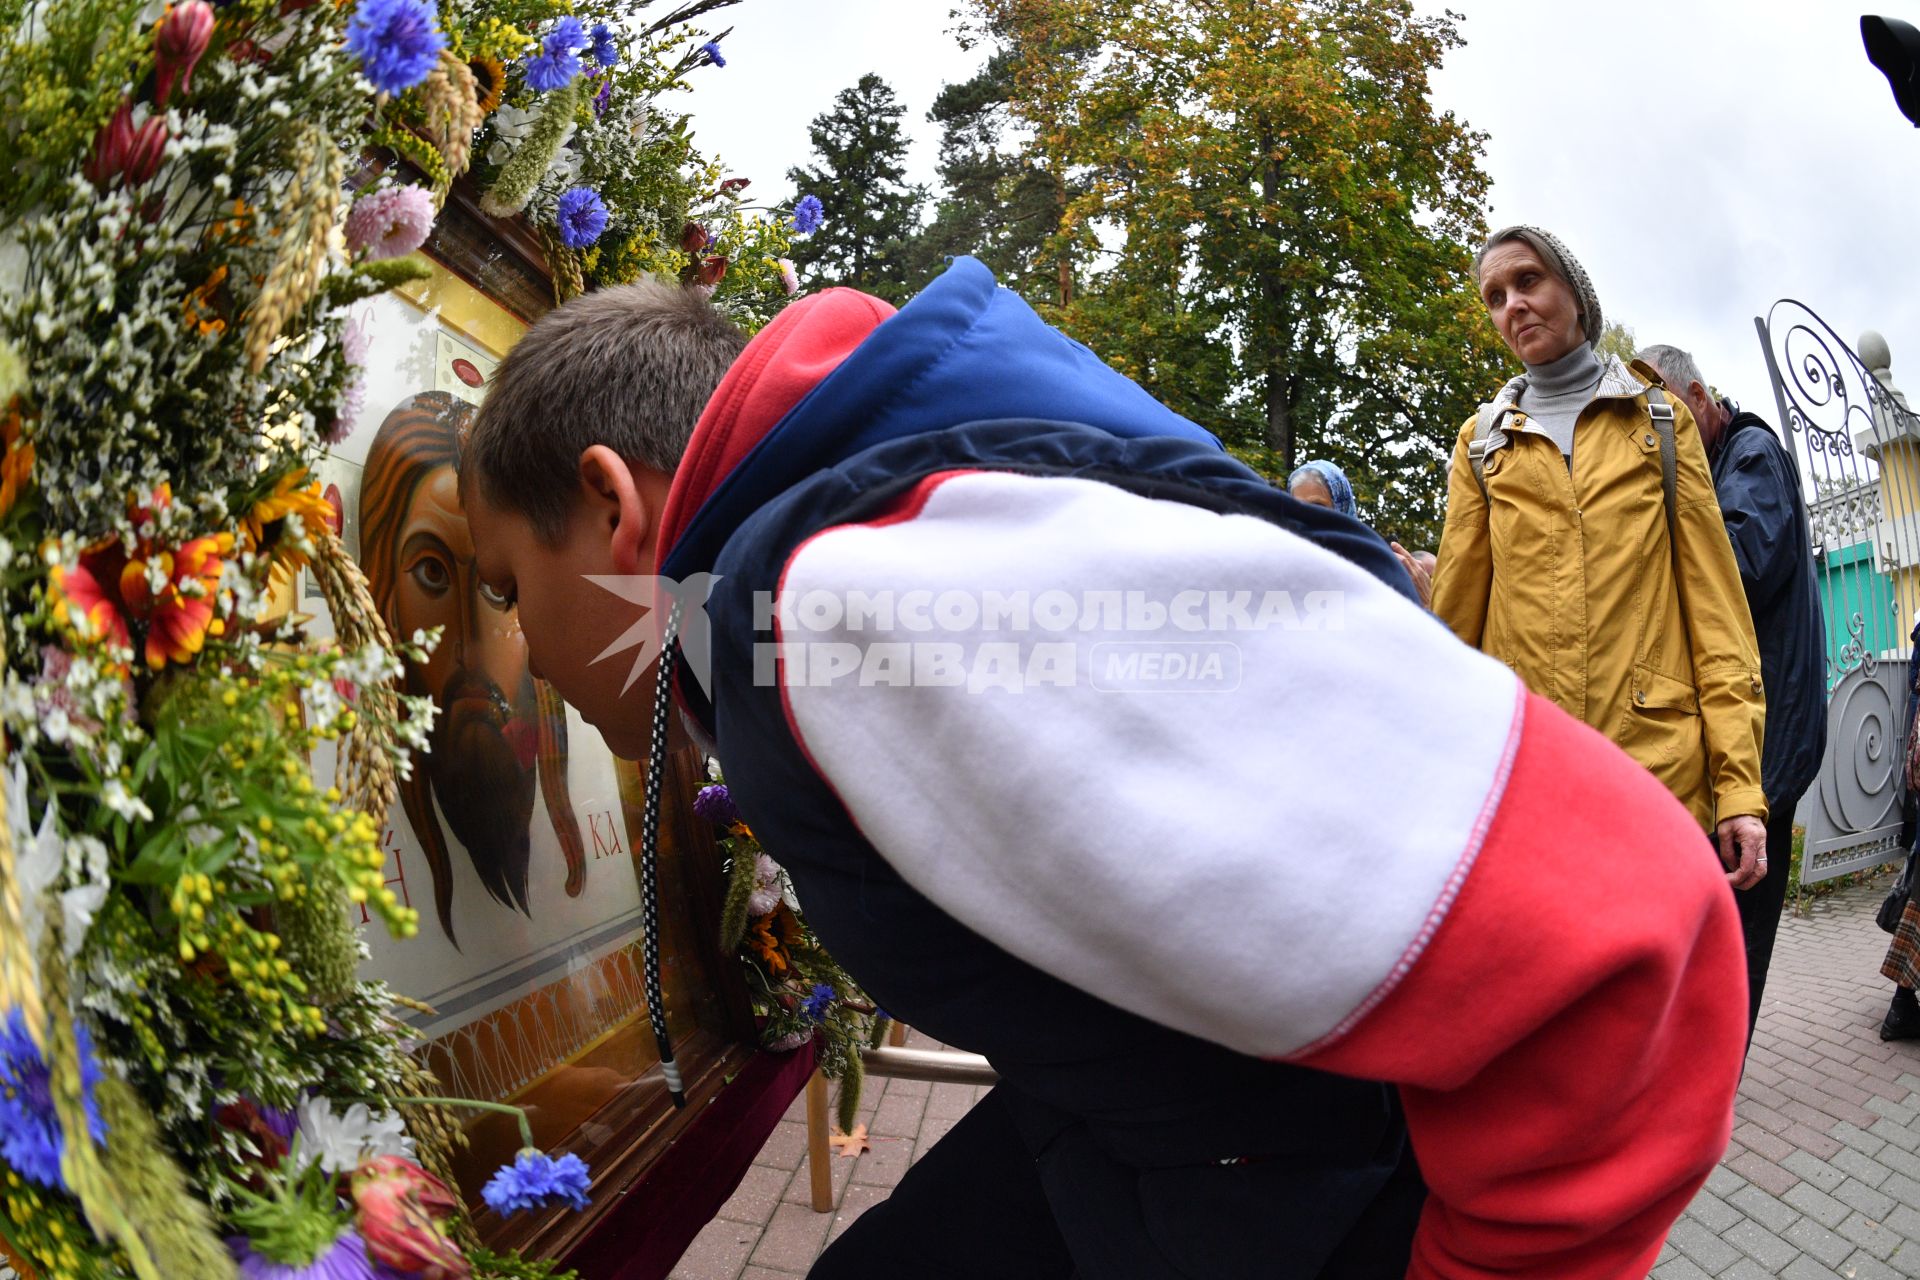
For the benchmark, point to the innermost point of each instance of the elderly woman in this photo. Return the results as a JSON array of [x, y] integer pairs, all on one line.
[[1324, 485], [1583, 547]]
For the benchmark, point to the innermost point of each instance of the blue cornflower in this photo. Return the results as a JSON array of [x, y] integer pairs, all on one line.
[[808, 214], [712, 49], [30, 1137], [816, 1005], [396, 41], [582, 217], [557, 63], [535, 1180], [566, 37], [715, 804], [605, 51], [548, 71]]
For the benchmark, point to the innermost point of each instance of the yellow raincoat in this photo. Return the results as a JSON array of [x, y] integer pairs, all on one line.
[[1569, 579]]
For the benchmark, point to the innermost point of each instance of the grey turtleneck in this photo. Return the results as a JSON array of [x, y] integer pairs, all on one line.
[[1557, 392]]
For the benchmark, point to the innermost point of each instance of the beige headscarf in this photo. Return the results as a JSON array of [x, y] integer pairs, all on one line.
[[1561, 262]]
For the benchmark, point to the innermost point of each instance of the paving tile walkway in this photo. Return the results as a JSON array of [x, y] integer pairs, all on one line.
[[1822, 1179], [769, 1231]]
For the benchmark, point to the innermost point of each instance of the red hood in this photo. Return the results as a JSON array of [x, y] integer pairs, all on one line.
[[785, 361]]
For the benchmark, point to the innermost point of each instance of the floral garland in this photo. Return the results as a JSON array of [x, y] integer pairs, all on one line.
[[799, 993], [579, 137], [193, 1080]]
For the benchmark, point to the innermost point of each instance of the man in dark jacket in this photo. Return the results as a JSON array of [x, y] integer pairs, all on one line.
[[1760, 502]]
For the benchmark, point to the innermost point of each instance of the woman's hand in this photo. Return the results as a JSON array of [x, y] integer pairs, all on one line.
[[1422, 580], [1743, 850]]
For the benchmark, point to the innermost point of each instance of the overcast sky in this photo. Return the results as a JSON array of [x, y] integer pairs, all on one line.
[[1703, 158]]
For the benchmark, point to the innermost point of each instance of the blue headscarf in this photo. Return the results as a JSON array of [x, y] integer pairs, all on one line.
[[1336, 481]]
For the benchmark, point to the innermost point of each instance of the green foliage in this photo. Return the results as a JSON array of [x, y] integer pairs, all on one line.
[[64, 68], [853, 1081], [522, 174], [296, 1220], [995, 203], [872, 213], [488, 1265], [1265, 221], [1616, 340], [175, 1227], [741, 882]]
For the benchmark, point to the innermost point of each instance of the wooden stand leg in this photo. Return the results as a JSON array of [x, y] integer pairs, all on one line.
[[896, 1034], [819, 1154]]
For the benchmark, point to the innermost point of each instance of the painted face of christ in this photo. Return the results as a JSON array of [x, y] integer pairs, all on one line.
[[492, 726]]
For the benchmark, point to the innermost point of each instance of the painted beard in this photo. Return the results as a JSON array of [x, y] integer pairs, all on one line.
[[482, 769]]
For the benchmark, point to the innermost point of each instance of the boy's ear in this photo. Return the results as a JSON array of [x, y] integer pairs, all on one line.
[[617, 504]]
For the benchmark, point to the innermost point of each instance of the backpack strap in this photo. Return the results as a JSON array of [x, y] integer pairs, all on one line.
[[1478, 447], [1662, 411]]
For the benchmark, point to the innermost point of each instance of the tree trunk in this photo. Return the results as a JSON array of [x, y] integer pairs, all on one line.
[[1066, 252], [1273, 295], [1280, 411]]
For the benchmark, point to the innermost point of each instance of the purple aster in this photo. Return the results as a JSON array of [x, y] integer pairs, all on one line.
[[605, 51], [816, 1005], [396, 41], [602, 98], [808, 214], [582, 217], [30, 1138], [549, 70], [535, 1180], [712, 49], [345, 1259], [715, 804]]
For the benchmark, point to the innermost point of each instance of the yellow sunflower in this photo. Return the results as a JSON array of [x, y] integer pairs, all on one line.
[[489, 81], [289, 497]]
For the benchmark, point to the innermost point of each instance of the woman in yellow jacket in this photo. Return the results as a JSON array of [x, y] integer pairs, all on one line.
[[1570, 566]]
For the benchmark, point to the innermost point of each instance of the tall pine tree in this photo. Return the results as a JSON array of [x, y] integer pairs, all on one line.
[[994, 202], [872, 212]]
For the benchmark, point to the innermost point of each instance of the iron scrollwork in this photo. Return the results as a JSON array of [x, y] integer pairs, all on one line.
[[1827, 392], [1856, 654]]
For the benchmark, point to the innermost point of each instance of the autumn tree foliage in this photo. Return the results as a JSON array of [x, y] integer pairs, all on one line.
[[1263, 218], [994, 201]]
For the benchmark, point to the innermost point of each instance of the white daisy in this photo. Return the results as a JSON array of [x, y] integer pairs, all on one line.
[[341, 1143]]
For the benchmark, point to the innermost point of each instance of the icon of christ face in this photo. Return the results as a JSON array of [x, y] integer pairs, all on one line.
[[495, 730]]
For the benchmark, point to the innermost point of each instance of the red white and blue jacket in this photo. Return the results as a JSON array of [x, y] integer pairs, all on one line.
[[1194, 917]]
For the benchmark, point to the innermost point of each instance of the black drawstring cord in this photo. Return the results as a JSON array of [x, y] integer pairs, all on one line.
[[650, 859]]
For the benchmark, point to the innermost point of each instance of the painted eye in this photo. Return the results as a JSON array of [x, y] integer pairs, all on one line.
[[501, 600], [430, 572]]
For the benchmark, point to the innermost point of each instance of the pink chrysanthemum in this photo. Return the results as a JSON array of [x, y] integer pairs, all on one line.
[[390, 223], [789, 278]]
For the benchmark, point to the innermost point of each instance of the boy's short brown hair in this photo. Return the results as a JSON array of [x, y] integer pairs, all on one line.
[[630, 367]]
